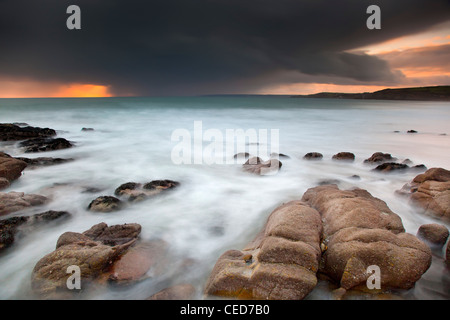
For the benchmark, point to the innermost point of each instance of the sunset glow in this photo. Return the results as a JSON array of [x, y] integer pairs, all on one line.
[[34, 89]]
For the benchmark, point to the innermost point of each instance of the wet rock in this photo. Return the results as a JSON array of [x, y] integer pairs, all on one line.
[[255, 165], [114, 235], [355, 177], [161, 185], [391, 166], [435, 234], [137, 191], [241, 155], [279, 155], [178, 292], [44, 144], [10, 169], [430, 193], [10, 227], [380, 157], [17, 201], [344, 156], [105, 204], [92, 255], [313, 156], [16, 132], [407, 161], [138, 262], [43, 161], [361, 231], [280, 263], [328, 181], [412, 131], [419, 168], [87, 129]]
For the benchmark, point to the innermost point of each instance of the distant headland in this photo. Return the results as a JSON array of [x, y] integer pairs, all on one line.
[[436, 93]]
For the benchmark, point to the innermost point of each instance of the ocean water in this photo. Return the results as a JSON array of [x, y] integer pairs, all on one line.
[[217, 207]]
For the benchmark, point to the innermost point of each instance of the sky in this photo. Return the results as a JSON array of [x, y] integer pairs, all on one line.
[[198, 47]]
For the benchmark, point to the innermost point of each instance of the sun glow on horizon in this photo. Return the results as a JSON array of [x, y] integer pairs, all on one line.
[[34, 89]]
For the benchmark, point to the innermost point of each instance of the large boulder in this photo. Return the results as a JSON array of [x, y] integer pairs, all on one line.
[[93, 251], [435, 234], [360, 231], [17, 201], [136, 191], [430, 193], [281, 263], [257, 166], [10, 169], [11, 226], [45, 144], [16, 132]]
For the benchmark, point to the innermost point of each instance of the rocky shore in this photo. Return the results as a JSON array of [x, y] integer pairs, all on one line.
[[327, 234]]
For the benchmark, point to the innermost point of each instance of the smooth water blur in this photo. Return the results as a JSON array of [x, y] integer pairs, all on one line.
[[217, 207]]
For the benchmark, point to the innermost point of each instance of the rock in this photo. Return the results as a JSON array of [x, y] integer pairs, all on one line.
[[43, 161], [16, 201], [127, 188], [114, 235], [10, 169], [407, 161], [178, 292], [10, 227], [138, 261], [339, 294], [412, 131], [380, 157], [161, 185], [105, 204], [136, 191], [44, 144], [328, 181], [279, 155], [419, 168], [430, 193], [280, 263], [255, 165], [313, 156], [87, 129], [435, 234], [241, 155], [13, 132], [361, 231], [4, 183], [344, 156], [92, 255], [355, 177], [391, 166]]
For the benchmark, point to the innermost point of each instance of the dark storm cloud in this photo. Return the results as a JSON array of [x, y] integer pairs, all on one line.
[[178, 47]]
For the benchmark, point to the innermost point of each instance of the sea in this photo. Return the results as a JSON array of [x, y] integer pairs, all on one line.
[[217, 206]]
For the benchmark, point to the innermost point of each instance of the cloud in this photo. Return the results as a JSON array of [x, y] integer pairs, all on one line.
[[179, 47]]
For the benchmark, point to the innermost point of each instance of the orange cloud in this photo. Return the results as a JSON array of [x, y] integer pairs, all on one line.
[[34, 89]]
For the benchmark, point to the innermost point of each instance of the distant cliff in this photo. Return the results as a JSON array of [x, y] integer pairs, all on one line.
[[438, 93]]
